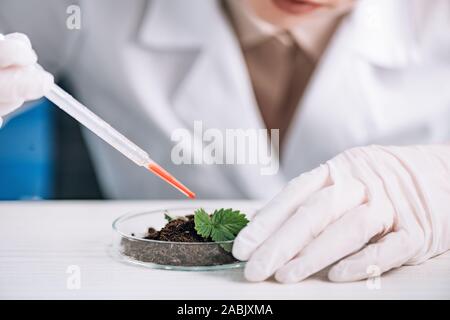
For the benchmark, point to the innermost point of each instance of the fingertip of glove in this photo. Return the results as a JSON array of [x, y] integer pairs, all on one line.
[[19, 37], [292, 272], [255, 272], [16, 53], [338, 273], [284, 277], [239, 250], [242, 246]]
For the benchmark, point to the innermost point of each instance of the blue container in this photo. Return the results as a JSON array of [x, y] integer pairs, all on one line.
[[27, 154]]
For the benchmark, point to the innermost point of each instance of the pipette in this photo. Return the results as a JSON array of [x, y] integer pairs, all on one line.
[[111, 136], [102, 129]]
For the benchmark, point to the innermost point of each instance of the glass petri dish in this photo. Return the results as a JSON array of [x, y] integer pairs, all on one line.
[[130, 246]]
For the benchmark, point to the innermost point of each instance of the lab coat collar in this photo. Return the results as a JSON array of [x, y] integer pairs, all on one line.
[[216, 89], [385, 32]]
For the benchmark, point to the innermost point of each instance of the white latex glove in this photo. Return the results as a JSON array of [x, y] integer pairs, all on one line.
[[369, 206], [20, 80]]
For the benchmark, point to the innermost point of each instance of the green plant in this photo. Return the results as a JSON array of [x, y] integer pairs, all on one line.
[[221, 225]]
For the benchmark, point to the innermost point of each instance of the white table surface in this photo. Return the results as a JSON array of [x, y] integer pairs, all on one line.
[[40, 240]]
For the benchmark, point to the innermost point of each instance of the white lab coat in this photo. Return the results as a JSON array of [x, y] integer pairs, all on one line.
[[151, 67]]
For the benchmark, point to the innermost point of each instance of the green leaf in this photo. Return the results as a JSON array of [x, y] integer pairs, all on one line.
[[222, 225], [229, 222], [203, 224]]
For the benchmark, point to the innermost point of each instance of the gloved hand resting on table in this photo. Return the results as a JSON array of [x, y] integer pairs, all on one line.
[[20, 80], [369, 206]]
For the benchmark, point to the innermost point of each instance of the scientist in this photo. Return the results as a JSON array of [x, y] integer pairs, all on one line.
[[363, 83]]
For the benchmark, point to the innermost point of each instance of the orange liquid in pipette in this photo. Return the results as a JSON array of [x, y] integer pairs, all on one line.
[[166, 176]]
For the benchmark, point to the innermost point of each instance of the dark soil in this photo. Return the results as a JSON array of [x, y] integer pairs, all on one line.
[[169, 249], [177, 230]]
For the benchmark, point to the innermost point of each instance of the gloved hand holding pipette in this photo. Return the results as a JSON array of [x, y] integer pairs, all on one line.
[[22, 79]]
